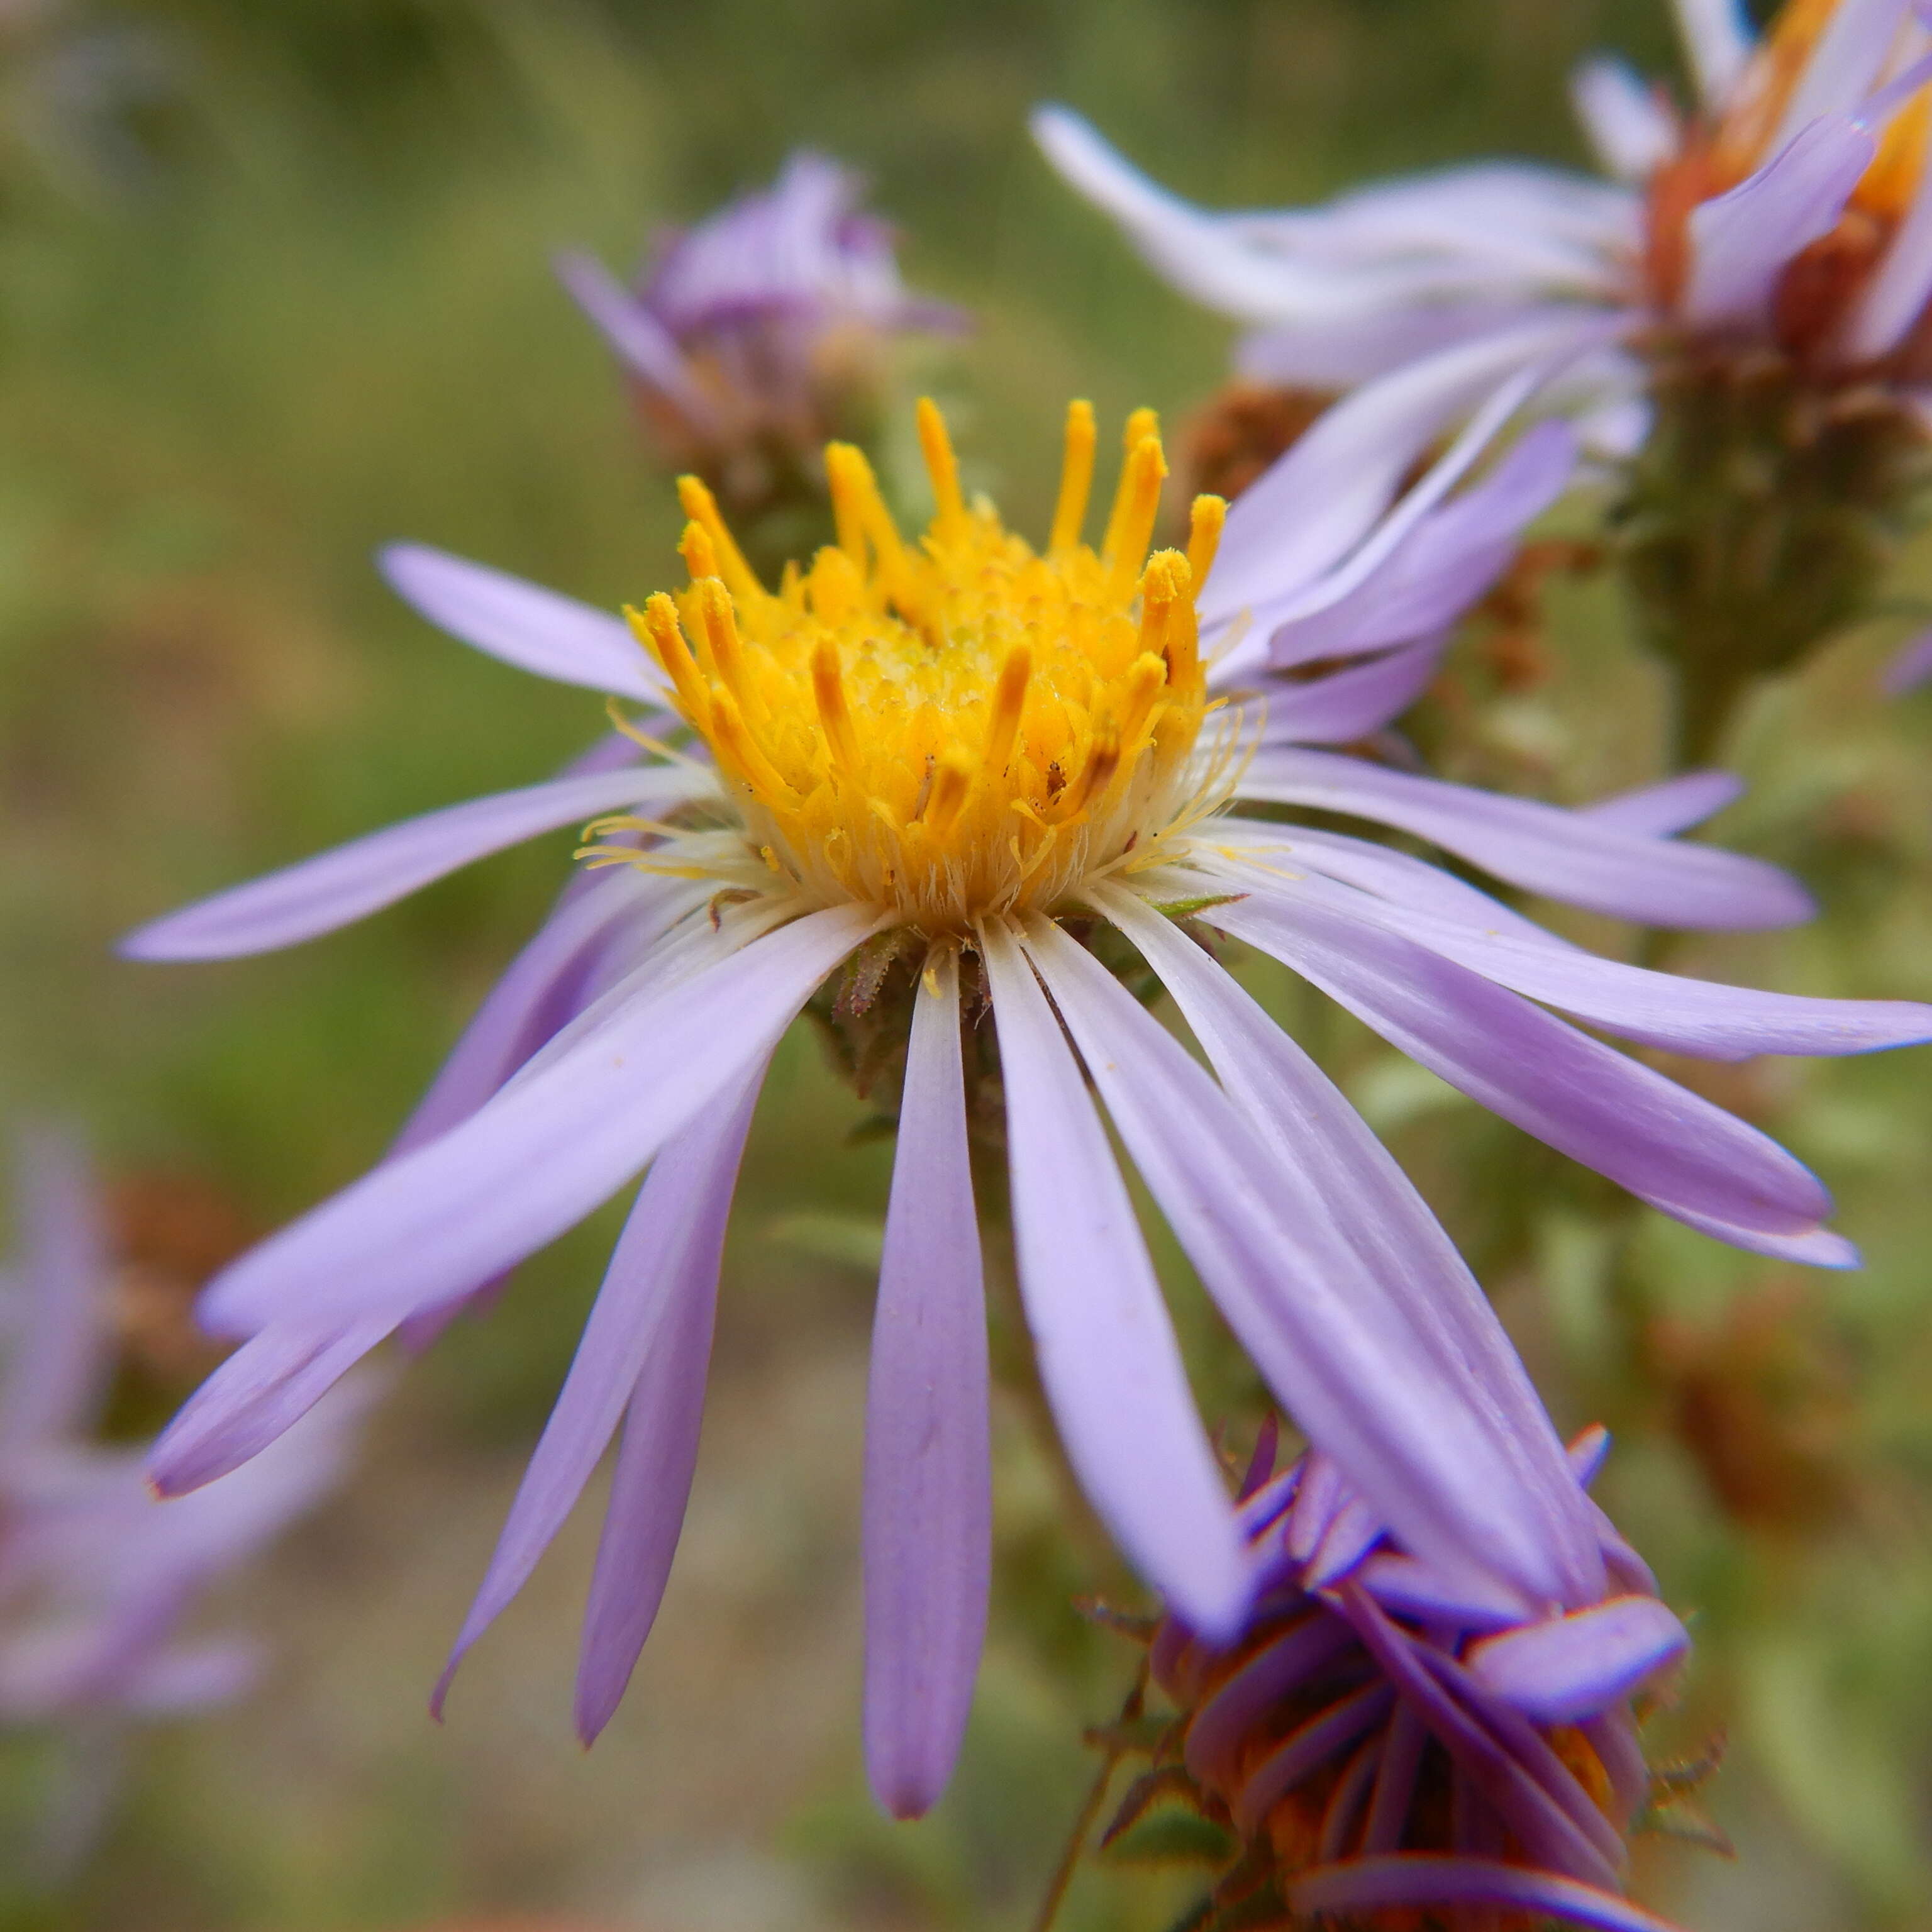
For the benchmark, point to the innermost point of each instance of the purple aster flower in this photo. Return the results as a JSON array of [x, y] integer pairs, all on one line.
[[1791, 205], [96, 1577], [1379, 1736], [756, 336], [928, 767]]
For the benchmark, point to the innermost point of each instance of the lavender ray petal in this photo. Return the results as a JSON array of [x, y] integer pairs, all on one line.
[[1673, 805], [1409, 1587], [1350, 1794], [1421, 1285], [420, 1229], [1220, 1725], [1632, 130], [928, 1522], [1429, 1878], [1353, 703], [1101, 1336], [1666, 1144], [260, 1392], [1395, 1781], [1843, 65], [1741, 241], [1717, 41], [639, 341], [535, 629], [1576, 1666], [1305, 1750], [337, 887], [1576, 859], [668, 1254]]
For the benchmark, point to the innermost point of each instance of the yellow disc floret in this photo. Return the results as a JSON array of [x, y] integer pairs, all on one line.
[[958, 728]]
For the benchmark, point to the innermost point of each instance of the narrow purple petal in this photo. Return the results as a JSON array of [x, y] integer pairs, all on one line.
[[1667, 1145], [1415, 1436], [668, 1254], [1305, 1750], [1428, 1878], [641, 342], [1629, 123], [1354, 702], [1911, 667], [55, 1335], [1105, 1345], [1226, 1720], [1843, 64], [1740, 242], [1576, 1666], [650, 1488], [1411, 1589], [1575, 859], [1419, 1284], [1665, 1010], [263, 1389], [1718, 40], [535, 629], [928, 1520], [1673, 805], [430, 1224], [348, 883]]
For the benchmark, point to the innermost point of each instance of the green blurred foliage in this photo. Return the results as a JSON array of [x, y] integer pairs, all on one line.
[[319, 315]]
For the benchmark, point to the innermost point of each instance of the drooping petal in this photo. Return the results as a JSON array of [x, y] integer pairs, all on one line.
[[1394, 1880], [1329, 1168], [1631, 128], [1666, 1009], [555, 1143], [1576, 1666], [1106, 1347], [262, 1390], [54, 1355], [1666, 1144], [650, 1487], [1741, 241], [668, 1254], [1579, 860], [641, 342], [348, 883], [928, 1524], [535, 629], [1670, 806]]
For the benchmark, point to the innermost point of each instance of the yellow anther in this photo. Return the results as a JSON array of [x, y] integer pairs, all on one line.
[[1103, 760], [848, 477], [701, 558], [1145, 681], [1161, 583], [1183, 641], [702, 507], [941, 465], [1008, 702], [1204, 522], [834, 587], [828, 687], [952, 780], [1137, 505], [1076, 478], [720, 634], [656, 627], [736, 747]]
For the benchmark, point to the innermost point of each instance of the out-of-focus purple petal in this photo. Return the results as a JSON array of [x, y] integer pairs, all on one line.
[[1305, 1750], [1577, 1665], [1105, 1345], [1911, 667], [1449, 559], [524, 625], [1896, 296], [1670, 806], [1630, 125], [555, 1143], [195, 1677], [1842, 66], [1330, 1168], [928, 1515], [1663, 1143], [266, 1386], [1359, 1370], [1354, 702], [658, 1451], [1585, 1453], [1666, 1009], [1741, 241], [55, 1333], [1718, 40], [668, 1254], [1581, 861], [348, 883], [641, 342], [1398, 1879], [1410, 1589]]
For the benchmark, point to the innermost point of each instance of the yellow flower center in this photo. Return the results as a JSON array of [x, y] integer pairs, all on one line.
[[957, 727], [1770, 84]]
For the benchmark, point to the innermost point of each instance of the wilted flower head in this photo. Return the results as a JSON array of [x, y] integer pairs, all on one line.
[[753, 338], [96, 1577], [931, 783], [1378, 1738]]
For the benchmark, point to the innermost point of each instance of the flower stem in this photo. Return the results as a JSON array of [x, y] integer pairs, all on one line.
[[1089, 1813]]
